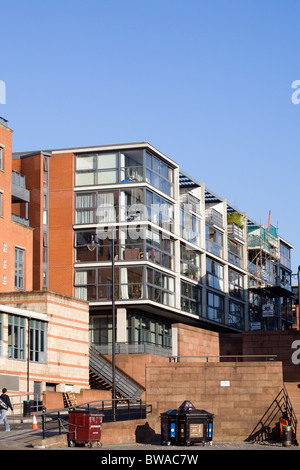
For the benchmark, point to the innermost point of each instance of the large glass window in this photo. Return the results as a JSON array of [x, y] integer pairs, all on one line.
[[215, 307], [93, 169], [214, 274], [160, 212], [159, 174], [16, 337], [109, 167], [37, 341], [236, 315], [132, 207], [235, 281], [160, 287], [100, 330], [190, 298], [235, 251], [142, 329], [214, 241], [97, 207], [189, 226], [189, 263], [97, 285], [159, 249]]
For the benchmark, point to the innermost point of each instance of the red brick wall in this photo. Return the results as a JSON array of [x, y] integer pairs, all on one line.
[[61, 220]]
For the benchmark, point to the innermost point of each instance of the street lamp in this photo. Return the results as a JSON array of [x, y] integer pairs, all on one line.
[[91, 246]]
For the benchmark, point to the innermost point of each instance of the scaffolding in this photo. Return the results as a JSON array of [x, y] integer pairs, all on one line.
[[263, 249]]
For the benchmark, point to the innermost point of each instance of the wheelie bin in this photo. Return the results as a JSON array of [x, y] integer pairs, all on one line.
[[169, 427], [85, 427]]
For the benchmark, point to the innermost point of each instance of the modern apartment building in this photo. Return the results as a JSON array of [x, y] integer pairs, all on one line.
[[123, 224]]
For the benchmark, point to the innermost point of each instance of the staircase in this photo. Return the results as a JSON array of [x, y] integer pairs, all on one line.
[[293, 391], [102, 373]]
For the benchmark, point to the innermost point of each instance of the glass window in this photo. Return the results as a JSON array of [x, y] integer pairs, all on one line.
[[159, 174], [236, 314], [215, 307], [160, 212], [85, 162], [160, 287], [235, 281], [159, 249], [101, 329], [189, 263], [1, 204], [37, 341], [141, 329], [214, 241], [214, 274], [16, 337], [19, 268], [190, 298], [1, 158]]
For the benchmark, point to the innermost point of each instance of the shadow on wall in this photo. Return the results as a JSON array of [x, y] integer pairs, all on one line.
[[268, 427], [146, 435]]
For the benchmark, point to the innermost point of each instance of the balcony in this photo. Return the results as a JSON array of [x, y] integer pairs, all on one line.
[[235, 231], [213, 217], [20, 220], [19, 192]]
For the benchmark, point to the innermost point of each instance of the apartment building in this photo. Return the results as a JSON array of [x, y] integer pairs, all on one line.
[[123, 225]]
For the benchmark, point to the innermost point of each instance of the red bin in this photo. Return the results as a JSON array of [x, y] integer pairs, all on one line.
[[85, 427]]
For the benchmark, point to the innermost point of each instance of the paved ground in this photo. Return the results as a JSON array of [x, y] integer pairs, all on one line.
[[21, 437]]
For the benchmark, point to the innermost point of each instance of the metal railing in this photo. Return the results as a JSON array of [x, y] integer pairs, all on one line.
[[17, 402], [112, 410], [233, 358]]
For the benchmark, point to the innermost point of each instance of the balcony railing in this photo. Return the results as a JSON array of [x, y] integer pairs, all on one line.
[[235, 231], [214, 217], [20, 220]]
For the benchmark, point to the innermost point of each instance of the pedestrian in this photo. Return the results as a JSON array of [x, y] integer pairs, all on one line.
[[4, 405]]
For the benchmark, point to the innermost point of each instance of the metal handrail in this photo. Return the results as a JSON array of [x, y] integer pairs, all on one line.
[[270, 357], [57, 414]]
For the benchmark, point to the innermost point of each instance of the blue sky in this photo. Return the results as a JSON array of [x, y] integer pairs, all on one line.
[[206, 82]]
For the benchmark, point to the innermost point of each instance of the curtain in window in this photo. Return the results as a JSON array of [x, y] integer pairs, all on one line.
[[105, 208]]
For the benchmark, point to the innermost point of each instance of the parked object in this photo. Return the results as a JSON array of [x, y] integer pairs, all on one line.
[[85, 427], [186, 425]]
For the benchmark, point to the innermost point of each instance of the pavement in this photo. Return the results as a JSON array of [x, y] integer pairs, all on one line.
[[21, 436]]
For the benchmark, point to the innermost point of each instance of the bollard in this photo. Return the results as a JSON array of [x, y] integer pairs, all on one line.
[[287, 436]]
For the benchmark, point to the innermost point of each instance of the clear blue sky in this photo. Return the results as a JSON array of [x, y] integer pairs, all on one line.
[[206, 82]]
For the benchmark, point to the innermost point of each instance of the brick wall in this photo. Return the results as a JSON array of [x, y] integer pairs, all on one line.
[[193, 341], [237, 408]]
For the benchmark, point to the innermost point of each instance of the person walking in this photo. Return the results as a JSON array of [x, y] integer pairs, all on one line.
[[4, 405]]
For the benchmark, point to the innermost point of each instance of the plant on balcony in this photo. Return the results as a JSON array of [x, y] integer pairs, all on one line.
[[236, 218]]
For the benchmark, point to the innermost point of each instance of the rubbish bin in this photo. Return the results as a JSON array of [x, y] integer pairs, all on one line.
[[85, 427], [169, 427], [26, 408], [186, 425], [287, 436]]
